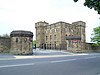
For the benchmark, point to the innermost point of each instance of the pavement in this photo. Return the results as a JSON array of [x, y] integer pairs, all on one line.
[[37, 53], [68, 64], [62, 63]]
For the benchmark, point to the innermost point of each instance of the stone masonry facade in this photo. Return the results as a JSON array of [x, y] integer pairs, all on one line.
[[21, 42], [4, 44], [61, 35]]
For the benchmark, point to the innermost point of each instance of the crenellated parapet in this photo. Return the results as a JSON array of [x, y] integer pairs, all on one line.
[[79, 23], [41, 24]]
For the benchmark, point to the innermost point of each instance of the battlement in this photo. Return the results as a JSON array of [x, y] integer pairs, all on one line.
[[41, 23], [79, 23]]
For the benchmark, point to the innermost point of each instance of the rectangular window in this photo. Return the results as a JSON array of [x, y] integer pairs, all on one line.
[[50, 45], [54, 37], [55, 44], [50, 37], [46, 38], [16, 40]]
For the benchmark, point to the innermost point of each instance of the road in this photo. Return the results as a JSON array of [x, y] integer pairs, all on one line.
[[66, 65]]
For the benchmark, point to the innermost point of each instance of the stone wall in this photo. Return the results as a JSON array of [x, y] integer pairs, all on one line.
[[4, 44], [92, 48], [89, 46], [96, 49]]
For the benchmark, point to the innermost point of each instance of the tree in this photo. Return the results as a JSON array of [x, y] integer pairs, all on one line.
[[6, 36], [34, 42], [96, 36], [92, 4]]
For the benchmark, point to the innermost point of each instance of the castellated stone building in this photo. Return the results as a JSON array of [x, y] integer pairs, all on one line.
[[61, 35]]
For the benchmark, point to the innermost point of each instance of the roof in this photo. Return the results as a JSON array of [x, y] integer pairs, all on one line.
[[21, 33]]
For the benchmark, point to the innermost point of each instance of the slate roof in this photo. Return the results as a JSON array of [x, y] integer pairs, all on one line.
[[21, 33]]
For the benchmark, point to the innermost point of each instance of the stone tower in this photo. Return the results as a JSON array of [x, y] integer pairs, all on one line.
[[40, 33], [80, 31], [21, 42]]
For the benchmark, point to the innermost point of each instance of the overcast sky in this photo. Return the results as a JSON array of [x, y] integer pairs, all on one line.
[[23, 14]]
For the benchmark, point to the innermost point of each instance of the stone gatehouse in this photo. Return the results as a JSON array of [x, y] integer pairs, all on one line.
[[61, 35], [20, 42]]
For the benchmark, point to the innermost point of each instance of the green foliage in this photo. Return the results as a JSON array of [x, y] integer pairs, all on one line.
[[75, 0], [92, 4], [34, 42], [95, 45], [96, 36], [5, 35]]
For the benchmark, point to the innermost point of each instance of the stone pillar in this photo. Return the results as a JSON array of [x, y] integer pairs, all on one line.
[[21, 42]]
